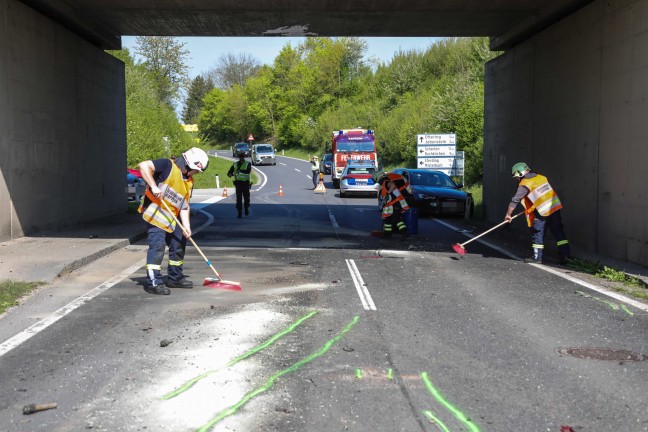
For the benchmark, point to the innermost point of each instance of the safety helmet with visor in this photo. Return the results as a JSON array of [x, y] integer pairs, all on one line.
[[196, 159], [519, 169]]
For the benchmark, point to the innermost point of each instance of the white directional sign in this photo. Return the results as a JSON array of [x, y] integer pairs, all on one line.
[[435, 150], [425, 139], [448, 165]]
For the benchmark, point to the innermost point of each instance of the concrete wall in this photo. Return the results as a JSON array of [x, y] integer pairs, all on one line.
[[572, 102], [62, 126]]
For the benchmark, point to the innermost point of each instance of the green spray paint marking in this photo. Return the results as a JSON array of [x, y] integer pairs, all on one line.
[[268, 384], [186, 386], [609, 303], [436, 421], [458, 414], [626, 310], [359, 373], [390, 374]]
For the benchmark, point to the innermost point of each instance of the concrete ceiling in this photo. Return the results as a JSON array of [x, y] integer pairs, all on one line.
[[506, 22]]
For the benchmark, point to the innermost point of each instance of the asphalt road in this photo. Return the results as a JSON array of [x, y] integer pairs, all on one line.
[[334, 330]]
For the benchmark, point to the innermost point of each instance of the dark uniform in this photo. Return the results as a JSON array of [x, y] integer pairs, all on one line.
[[241, 170]]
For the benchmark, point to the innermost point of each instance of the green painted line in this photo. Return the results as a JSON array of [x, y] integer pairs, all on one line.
[[186, 386], [458, 414], [607, 302], [390, 374], [626, 310], [359, 373], [270, 382], [436, 421]]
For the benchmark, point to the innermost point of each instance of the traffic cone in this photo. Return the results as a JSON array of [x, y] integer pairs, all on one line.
[[280, 191], [225, 193], [320, 187]]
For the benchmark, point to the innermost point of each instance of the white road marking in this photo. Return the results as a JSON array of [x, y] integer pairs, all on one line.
[[36, 328], [593, 287], [296, 170], [361, 287]]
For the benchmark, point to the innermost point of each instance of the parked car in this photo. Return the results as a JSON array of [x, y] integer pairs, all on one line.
[[326, 163], [357, 178], [436, 194], [240, 147], [263, 154]]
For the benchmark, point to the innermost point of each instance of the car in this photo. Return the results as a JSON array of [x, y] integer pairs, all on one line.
[[263, 154], [241, 147], [326, 163], [357, 178], [436, 194]]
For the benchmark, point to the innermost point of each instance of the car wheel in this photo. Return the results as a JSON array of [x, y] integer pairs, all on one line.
[[342, 194]]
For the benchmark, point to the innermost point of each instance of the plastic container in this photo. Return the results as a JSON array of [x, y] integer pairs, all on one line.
[[410, 217]]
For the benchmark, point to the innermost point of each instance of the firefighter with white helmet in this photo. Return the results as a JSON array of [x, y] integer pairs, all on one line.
[[170, 181], [542, 208]]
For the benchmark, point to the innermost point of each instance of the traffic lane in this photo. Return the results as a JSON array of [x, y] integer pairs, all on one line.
[[490, 342]]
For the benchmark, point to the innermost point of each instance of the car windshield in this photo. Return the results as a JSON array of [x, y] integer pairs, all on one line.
[[264, 148], [431, 179], [242, 147], [364, 145], [328, 157], [360, 170]]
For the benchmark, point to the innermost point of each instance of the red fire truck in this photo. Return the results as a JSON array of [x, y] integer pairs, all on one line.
[[351, 144]]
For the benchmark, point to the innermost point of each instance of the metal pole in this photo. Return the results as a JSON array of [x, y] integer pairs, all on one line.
[[217, 182]]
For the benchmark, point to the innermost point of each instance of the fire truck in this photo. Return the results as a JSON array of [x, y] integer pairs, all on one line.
[[351, 144]]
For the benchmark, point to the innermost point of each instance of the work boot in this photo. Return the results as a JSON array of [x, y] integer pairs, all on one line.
[[532, 261], [404, 234], [247, 212], [387, 235], [182, 283], [239, 215], [158, 289]]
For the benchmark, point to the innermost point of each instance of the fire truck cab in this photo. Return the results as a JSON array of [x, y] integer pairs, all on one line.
[[351, 144]]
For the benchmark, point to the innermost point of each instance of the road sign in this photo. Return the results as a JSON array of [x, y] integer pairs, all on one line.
[[439, 162], [250, 138], [436, 150], [423, 139]]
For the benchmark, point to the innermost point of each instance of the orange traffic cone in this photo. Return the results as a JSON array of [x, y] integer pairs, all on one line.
[[280, 191], [224, 193]]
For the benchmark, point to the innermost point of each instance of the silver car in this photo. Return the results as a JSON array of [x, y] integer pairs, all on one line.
[[263, 154], [357, 178]]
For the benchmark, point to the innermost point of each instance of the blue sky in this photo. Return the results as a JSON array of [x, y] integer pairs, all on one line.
[[204, 52]]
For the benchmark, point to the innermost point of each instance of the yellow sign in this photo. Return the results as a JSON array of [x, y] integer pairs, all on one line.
[[190, 127]]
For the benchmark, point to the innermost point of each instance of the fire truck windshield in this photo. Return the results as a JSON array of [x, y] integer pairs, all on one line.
[[356, 145]]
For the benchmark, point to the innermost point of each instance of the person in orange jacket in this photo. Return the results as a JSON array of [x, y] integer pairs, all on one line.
[[393, 191], [542, 208]]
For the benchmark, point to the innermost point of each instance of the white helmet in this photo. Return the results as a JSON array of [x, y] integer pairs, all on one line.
[[196, 159]]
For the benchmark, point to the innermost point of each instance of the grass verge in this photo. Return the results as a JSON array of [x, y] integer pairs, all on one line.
[[631, 285], [11, 291]]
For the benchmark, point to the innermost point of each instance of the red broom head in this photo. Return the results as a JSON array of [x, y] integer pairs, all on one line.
[[222, 284], [459, 249]]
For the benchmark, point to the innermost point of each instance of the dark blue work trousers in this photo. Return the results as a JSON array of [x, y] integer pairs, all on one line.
[[242, 196], [554, 222], [158, 239]]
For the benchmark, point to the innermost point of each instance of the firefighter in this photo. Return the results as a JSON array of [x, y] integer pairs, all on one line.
[[241, 171], [394, 205], [542, 207], [171, 181]]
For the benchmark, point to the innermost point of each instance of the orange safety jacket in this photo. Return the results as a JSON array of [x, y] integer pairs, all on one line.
[[400, 181], [176, 192], [396, 197], [541, 197]]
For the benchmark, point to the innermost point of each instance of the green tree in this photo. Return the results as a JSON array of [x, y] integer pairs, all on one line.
[[234, 70], [198, 89], [166, 60]]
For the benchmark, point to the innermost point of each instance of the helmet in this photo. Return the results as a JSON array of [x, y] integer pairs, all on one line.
[[196, 159], [519, 169]]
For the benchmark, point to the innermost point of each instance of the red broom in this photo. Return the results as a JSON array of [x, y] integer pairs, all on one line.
[[217, 282], [460, 247]]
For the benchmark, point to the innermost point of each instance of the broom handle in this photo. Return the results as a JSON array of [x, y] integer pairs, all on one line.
[[192, 240], [495, 227]]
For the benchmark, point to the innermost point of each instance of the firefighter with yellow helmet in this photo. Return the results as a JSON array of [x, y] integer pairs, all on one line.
[[542, 207]]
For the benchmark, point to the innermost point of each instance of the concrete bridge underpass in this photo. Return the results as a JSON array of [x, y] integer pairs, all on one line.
[[568, 95]]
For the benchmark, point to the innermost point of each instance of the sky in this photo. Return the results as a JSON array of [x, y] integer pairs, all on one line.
[[204, 52]]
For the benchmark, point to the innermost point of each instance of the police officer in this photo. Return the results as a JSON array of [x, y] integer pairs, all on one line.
[[170, 181], [315, 170], [241, 171], [542, 207]]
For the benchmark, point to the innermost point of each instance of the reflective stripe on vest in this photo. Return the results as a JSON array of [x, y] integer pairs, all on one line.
[[175, 191], [388, 209], [541, 195], [238, 175]]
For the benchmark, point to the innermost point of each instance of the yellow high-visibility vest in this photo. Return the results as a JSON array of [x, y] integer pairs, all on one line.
[[176, 191], [541, 197]]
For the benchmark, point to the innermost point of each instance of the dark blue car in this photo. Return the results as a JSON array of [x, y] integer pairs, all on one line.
[[436, 194]]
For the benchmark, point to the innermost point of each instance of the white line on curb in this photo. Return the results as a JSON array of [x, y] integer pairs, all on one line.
[[593, 287], [361, 287]]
